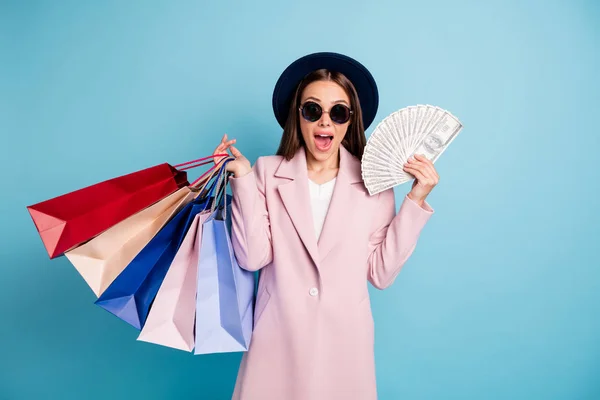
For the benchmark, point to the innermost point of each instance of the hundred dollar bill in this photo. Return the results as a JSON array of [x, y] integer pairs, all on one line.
[[380, 153], [439, 138], [375, 187], [423, 129]]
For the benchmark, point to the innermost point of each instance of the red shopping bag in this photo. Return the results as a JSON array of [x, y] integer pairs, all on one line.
[[66, 221]]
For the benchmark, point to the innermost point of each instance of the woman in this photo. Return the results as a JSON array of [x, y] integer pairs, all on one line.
[[304, 218]]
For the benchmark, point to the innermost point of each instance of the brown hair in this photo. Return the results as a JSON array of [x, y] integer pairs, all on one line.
[[292, 139]]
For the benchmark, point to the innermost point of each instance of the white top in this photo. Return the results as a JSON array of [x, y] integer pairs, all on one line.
[[320, 197]]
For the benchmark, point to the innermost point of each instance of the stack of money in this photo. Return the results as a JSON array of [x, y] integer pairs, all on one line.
[[420, 129]]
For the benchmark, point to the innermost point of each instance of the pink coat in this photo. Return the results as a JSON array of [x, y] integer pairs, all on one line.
[[313, 336]]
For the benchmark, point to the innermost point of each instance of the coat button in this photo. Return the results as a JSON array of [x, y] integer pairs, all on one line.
[[313, 291]]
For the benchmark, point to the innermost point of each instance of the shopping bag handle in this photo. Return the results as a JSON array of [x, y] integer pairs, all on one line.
[[201, 161], [221, 180], [222, 193], [197, 163], [221, 183], [206, 178], [203, 180], [216, 182]]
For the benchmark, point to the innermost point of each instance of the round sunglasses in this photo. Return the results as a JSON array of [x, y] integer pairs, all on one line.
[[312, 112]]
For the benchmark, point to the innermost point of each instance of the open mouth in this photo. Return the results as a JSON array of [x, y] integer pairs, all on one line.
[[323, 142]]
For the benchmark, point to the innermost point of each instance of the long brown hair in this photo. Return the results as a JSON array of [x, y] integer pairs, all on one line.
[[292, 139]]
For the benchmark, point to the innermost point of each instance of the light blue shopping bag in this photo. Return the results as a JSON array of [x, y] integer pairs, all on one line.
[[225, 291]]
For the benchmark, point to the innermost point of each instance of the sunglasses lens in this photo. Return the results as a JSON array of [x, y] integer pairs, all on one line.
[[339, 114], [311, 111]]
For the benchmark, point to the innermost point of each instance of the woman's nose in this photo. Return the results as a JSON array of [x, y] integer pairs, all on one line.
[[325, 120]]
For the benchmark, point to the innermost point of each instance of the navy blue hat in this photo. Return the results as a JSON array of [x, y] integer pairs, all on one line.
[[360, 77]]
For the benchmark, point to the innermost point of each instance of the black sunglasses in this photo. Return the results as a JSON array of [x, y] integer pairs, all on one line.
[[311, 111]]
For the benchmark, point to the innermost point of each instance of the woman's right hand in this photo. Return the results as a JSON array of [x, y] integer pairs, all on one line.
[[240, 166]]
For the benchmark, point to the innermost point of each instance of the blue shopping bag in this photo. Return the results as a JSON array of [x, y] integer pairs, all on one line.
[[225, 291], [130, 295]]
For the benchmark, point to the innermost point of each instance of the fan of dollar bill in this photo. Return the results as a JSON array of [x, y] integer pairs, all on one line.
[[420, 129]]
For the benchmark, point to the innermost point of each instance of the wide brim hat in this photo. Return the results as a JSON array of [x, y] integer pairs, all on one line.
[[358, 74]]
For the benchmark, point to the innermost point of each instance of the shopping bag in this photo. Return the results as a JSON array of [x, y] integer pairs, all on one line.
[[225, 291], [100, 260], [71, 219], [171, 318], [131, 294]]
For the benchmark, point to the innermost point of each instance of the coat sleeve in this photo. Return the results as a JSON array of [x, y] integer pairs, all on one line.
[[394, 237], [250, 226]]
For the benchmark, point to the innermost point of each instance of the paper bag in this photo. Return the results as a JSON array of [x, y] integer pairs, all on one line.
[[171, 319], [102, 259], [71, 219], [225, 292], [131, 294]]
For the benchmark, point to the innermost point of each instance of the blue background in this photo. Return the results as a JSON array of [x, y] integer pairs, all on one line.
[[501, 299]]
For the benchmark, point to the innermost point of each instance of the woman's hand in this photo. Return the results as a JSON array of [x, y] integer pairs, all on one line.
[[240, 166], [426, 177]]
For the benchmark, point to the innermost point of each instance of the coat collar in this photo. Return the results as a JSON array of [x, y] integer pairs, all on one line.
[[296, 168], [296, 199]]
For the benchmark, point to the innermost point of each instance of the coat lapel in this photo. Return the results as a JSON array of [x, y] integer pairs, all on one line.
[[342, 207], [296, 200]]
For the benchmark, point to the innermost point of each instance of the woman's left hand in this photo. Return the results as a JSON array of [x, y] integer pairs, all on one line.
[[426, 177]]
